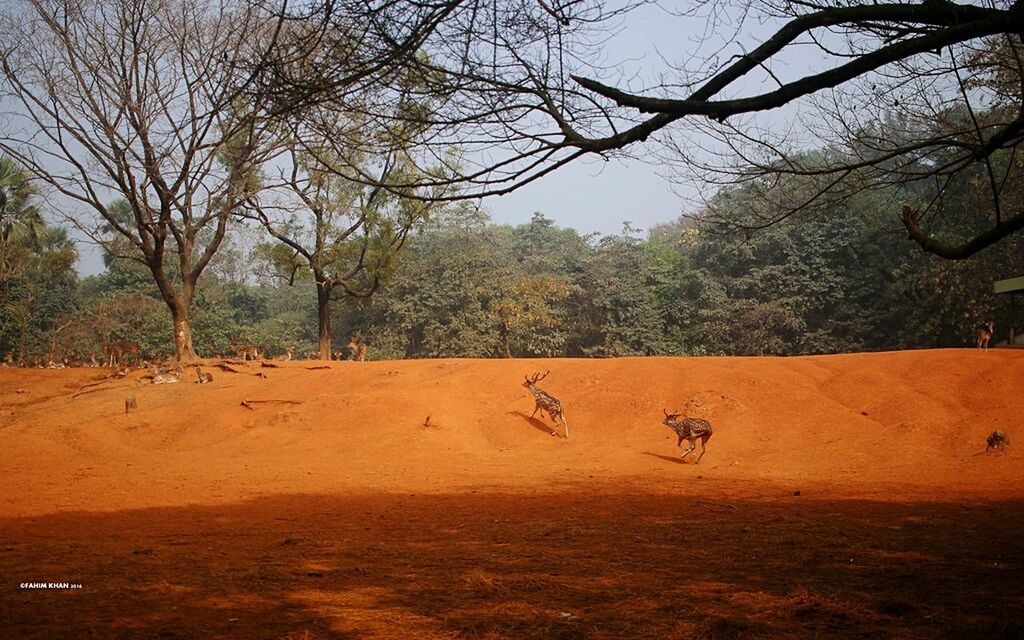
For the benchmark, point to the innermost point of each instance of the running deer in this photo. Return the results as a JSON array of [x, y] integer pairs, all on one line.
[[689, 429], [546, 403], [985, 333], [117, 352]]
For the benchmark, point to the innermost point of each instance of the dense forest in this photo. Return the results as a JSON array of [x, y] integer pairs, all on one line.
[[845, 279]]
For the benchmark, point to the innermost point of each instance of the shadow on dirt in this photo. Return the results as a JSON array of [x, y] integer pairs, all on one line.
[[520, 566], [675, 459], [536, 423]]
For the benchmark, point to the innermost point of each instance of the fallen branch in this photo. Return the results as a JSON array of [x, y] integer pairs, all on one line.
[[94, 383], [82, 392], [716, 508], [323, 366], [248, 403], [105, 379]]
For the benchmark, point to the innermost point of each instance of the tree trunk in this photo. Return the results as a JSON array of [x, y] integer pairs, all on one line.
[[323, 302], [184, 352], [179, 304], [505, 351]]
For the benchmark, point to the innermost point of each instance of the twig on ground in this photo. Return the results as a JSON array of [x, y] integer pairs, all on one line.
[[248, 403], [715, 507]]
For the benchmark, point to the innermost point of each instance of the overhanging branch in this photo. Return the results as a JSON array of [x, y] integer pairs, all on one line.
[[966, 249]]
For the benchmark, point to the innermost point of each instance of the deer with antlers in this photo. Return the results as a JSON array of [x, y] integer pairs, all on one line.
[[689, 429], [985, 333], [546, 403]]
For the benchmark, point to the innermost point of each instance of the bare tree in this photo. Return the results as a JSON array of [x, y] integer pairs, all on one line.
[[135, 100], [897, 94], [345, 234]]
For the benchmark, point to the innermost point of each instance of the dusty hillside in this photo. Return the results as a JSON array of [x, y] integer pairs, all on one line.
[[891, 425]]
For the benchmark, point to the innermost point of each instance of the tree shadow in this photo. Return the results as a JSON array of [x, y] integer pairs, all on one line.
[[536, 423], [564, 565]]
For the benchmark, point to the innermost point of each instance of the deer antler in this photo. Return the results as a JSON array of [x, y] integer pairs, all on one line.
[[537, 377]]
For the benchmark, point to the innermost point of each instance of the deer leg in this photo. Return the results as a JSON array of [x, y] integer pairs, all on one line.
[[690, 446], [535, 409], [565, 423], [703, 448]]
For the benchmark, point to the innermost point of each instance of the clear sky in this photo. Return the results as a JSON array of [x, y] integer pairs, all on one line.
[[598, 195], [592, 195]]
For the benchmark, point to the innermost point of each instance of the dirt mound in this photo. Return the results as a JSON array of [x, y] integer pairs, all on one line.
[[897, 424], [420, 499]]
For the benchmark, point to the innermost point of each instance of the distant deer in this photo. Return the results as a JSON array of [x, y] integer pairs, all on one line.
[[985, 333], [287, 355], [356, 347], [202, 377], [546, 402], [689, 429], [246, 351], [996, 441], [166, 376], [117, 352]]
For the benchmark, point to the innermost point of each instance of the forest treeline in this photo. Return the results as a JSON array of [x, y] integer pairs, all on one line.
[[281, 180], [841, 280]]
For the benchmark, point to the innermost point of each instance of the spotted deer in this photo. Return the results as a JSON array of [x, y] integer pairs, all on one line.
[[689, 429], [985, 333], [356, 347], [203, 377], [246, 351], [161, 375], [997, 440], [545, 402], [117, 352]]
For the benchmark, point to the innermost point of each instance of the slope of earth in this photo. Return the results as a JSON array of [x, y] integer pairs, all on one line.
[[892, 425], [840, 496]]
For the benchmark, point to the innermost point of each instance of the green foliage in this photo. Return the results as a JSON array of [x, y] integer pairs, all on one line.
[[37, 281], [842, 278]]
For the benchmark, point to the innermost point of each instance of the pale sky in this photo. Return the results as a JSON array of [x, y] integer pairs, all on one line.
[[598, 195], [592, 194]]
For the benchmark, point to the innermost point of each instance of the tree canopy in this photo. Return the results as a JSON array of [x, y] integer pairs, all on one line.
[[914, 95]]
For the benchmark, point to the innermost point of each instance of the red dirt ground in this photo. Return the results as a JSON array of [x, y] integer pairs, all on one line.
[[841, 497]]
